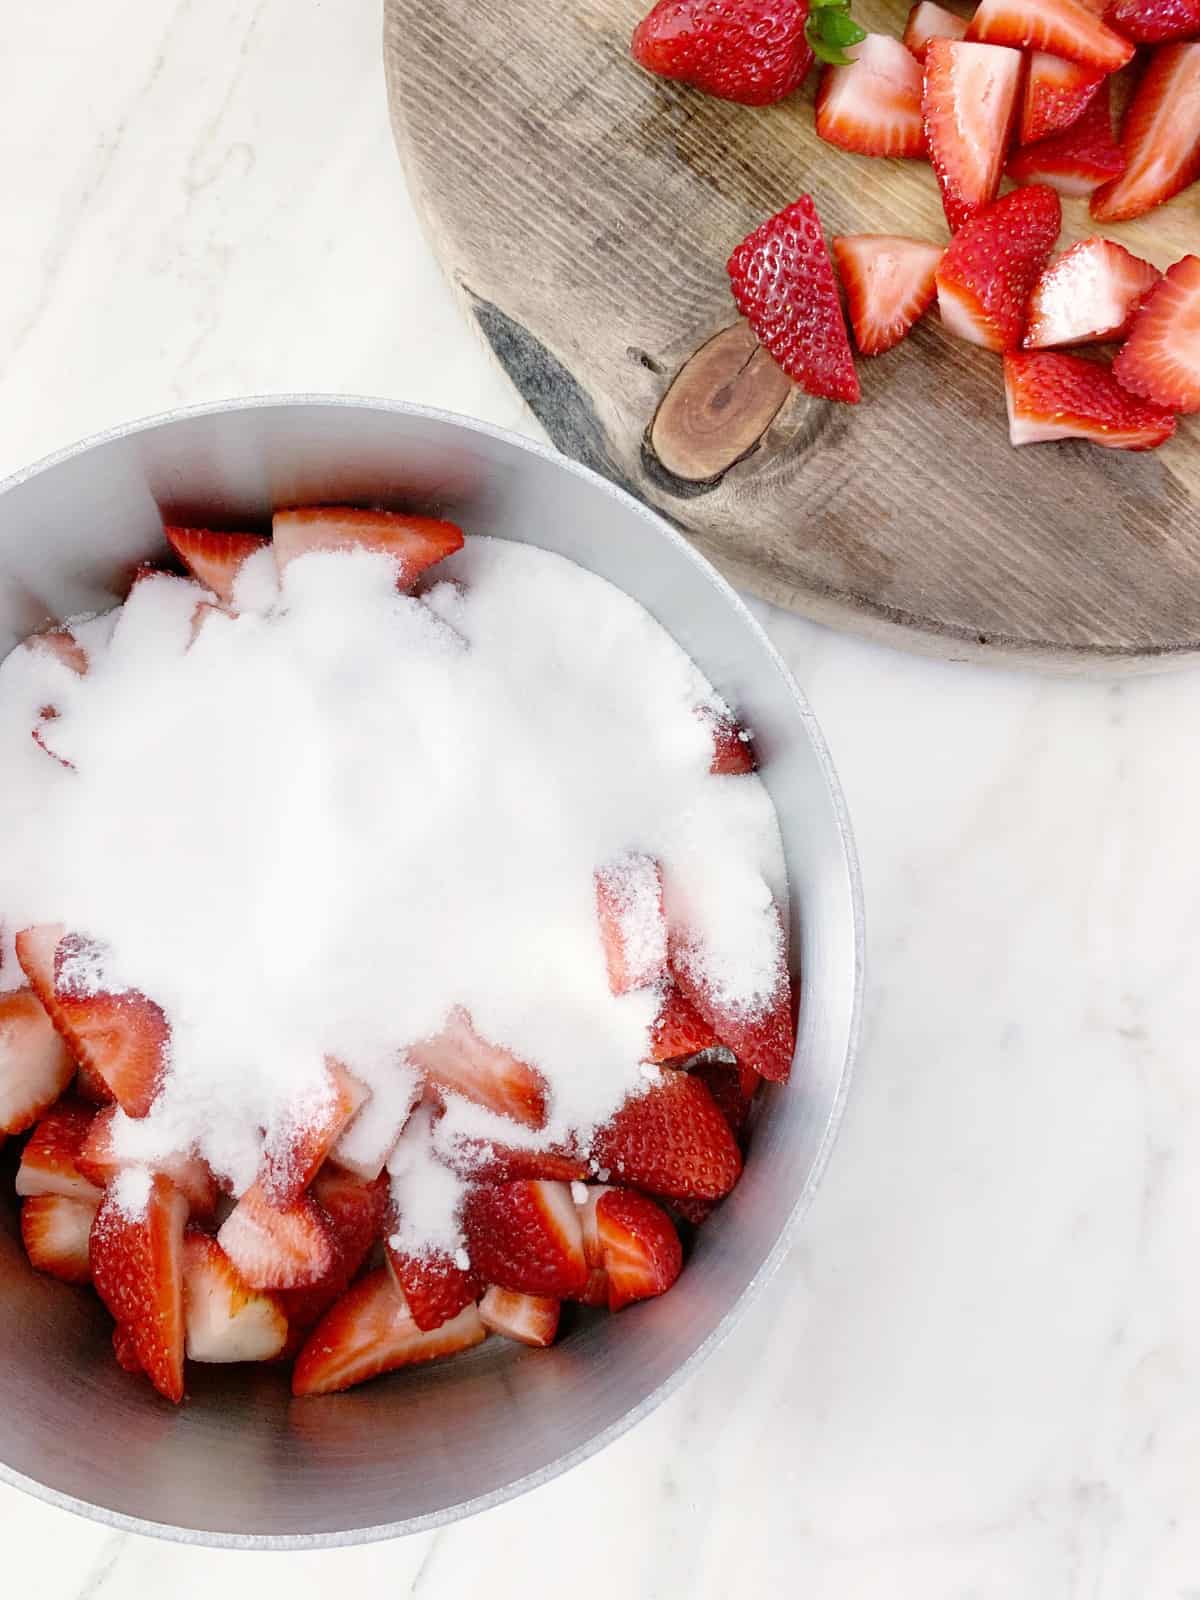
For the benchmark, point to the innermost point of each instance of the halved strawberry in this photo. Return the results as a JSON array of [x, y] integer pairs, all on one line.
[[1062, 27], [928, 21], [137, 1267], [370, 1331], [56, 1232], [641, 1250], [527, 1318], [991, 266], [1057, 93], [225, 1320], [783, 284], [526, 1236], [48, 1161], [633, 924], [1161, 358], [970, 106], [99, 1163], [679, 1030], [889, 283], [125, 1349], [434, 1284], [309, 1128], [62, 644], [1052, 395], [873, 106], [1078, 160], [672, 1139], [35, 1065], [460, 1060], [1155, 21], [762, 1036], [355, 1212], [277, 1247], [1160, 137], [733, 748], [414, 543], [1087, 295], [214, 558]]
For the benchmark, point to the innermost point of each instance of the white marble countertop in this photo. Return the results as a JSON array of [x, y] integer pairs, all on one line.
[[978, 1375]]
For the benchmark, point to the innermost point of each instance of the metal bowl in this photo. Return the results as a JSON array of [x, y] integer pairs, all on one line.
[[242, 1463]]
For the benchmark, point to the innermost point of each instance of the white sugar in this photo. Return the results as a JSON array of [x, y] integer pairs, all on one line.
[[131, 1192]]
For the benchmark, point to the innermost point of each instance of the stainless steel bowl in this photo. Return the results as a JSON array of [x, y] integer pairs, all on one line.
[[241, 1463]]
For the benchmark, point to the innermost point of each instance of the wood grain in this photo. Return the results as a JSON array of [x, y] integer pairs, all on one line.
[[586, 209]]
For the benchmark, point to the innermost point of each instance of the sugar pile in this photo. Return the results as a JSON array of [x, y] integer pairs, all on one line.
[[336, 816]]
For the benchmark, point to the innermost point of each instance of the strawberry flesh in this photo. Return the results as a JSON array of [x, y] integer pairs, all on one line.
[[224, 1319], [873, 106], [992, 263], [1052, 395], [528, 1318], [671, 1139], [297, 1145], [889, 284], [137, 1267], [49, 1161], [753, 52], [526, 1236], [1063, 28], [970, 105], [633, 924], [1090, 293], [459, 1060], [35, 1065], [1057, 93], [214, 559], [1161, 358], [56, 1232], [1160, 137], [928, 21], [641, 1249], [434, 1285]]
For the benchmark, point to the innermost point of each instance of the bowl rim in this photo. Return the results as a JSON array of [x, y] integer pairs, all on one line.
[[433, 1520]]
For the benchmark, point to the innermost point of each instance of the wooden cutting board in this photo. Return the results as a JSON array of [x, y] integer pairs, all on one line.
[[586, 209]]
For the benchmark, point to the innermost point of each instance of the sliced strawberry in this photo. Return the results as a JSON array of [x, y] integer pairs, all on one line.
[[1062, 27], [730, 1091], [137, 1267], [1088, 294], [35, 1065], [125, 1349], [679, 1029], [733, 749], [298, 1143], [672, 1139], [889, 284], [458, 1059], [99, 1163], [1052, 395], [56, 1232], [434, 1285], [1057, 93], [991, 266], [642, 1253], [927, 21], [753, 52], [489, 1162], [1160, 137], [527, 1318], [783, 284], [355, 1212], [526, 1236], [1077, 161], [48, 1161], [1155, 21], [633, 924], [763, 1037], [225, 1320], [62, 644], [278, 1247], [873, 106], [215, 559], [414, 543], [1161, 358], [970, 105]]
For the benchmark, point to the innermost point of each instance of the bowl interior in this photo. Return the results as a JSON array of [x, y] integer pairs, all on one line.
[[242, 1462]]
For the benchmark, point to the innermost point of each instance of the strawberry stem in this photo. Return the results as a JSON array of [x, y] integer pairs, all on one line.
[[830, 30]]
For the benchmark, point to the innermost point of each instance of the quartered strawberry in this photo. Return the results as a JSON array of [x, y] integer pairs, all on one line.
[[1087, 295], [1077, 161], [434, 1285], [1052, 395], [873, 106], [889, 284], [928, 21], [35, 1065], [298, 1143], [225, 1320], [670, 1138], [1160, 137], [215, 559], [679, 1029], [633, 924], [99, 1163], [641, 1250], [1064, 28], [278, 1247], [56, 1232], [1160, 360], [49, 1159], [527, 1318], [783, 284], [992, 264], [371, 1331], [137, 1267], [763, 1037], [355, 1213], [733, 748], [1057, 93], [1156, 21], [460, 1060], [414, 543], [751, 51], [525, 1236], [970, 106]]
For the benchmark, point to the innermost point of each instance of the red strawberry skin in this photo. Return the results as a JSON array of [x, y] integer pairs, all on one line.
[[1155, 21], [1078, 160], [1160, 137], [672, 1140], [1057, 93], [526, 1236], [434, 1285], [679, 1029], [991, 265], [137, 1267], [1161, 358], [733, 749], [783, 284], [1053, 395], [641, 1250], [751, 51], [355, 1212]]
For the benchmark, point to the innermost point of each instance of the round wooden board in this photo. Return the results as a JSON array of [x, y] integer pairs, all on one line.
[[586, 209]]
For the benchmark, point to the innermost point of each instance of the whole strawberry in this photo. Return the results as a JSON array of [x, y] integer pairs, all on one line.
[[751, 51]]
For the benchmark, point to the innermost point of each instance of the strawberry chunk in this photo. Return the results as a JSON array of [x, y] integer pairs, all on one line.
[[370, 1331], [762, 1037], [458, 1059], [1161, 358], [641, 1250], [137, 1267], [35, 1065], [992, 264], [1090, 293], [56, 1231], [527, 1318], [1077, 161], [526, 1236], [889, 284], [970, 105], [783, 284], [99, 1163], [1160, 137], [214, 559], [277, 1247], [671, 1139], [679, 1029], [434, 1285], [298, 1143], [225, 1320], [49, 1161], [1061, 27], [873, 106], [928, 21], [733, 749], [1057, 93], [414, 543], [354, 1211], [1156, 21], [633, 924], [753, 52], [1052, 395]]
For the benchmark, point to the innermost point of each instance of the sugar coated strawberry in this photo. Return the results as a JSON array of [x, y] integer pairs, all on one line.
[[633, 924], [1053, 395], [991, 265], [413, 543], [460, 1060]]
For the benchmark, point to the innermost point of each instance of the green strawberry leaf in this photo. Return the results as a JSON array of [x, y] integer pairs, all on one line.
[[830, 29]]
